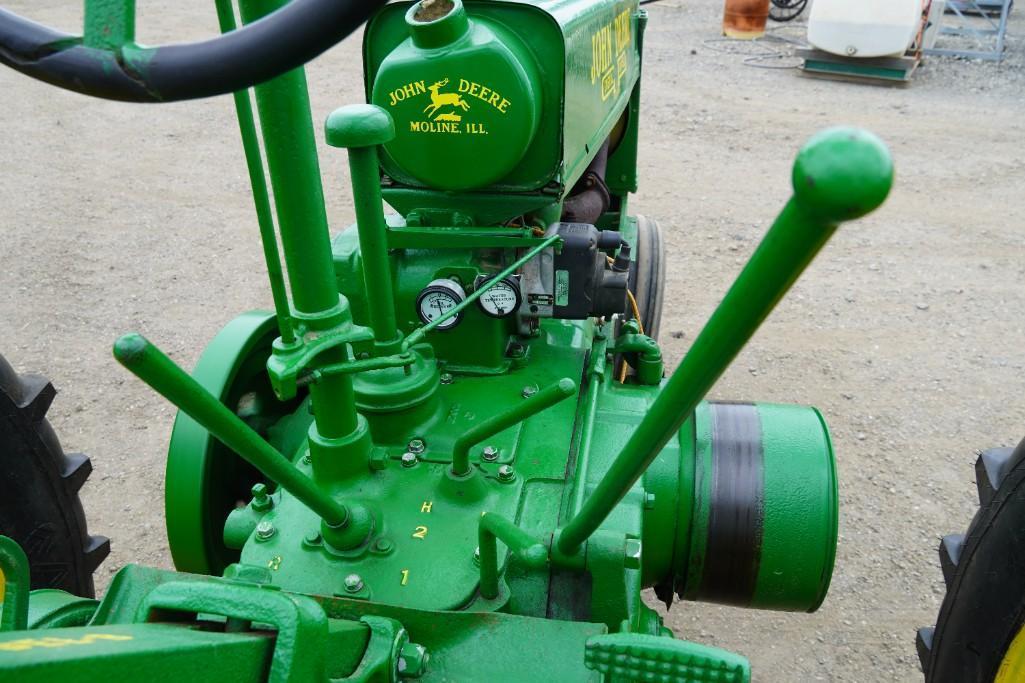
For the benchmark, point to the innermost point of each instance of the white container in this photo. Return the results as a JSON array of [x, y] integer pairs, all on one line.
[[864, 28]]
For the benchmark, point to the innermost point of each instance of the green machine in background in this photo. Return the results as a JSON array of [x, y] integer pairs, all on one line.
[[451, 452]]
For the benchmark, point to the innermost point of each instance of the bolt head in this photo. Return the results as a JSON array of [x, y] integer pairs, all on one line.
[[353, 583], [416, 446], [529, 391], [383, 545], [446, 378], [408, 459], [412, 660], [265, 530], [506, 473], [490, 453]]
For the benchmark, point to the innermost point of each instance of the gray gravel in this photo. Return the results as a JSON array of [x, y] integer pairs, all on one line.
[[907, 332]]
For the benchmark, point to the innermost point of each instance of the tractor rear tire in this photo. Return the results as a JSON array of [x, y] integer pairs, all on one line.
[[39, 485], [979, 634], [648, 281]]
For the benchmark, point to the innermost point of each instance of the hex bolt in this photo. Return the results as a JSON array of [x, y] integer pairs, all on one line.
[[529, 391], [353, 583], [476, 555], [416, 446], [490, 454], [506, 473], [307, 459], [383, 545], [412, 661], [408, 459], [312, 538], [261, 500], [446, 378], [265, 530]]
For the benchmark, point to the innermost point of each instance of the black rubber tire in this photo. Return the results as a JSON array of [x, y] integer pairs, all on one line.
[[984, 607], [648, 278], [786, 10], [39, 485]]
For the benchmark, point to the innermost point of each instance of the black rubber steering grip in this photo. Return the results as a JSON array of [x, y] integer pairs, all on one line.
[[279, 42]]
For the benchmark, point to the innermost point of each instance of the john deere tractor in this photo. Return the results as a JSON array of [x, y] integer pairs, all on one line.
[[451, 452]]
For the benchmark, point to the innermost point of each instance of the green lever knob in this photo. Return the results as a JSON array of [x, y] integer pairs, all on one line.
[[362, 128], [842, 173], [359, 125]]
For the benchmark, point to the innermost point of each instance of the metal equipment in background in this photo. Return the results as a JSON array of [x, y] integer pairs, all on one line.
[[787, 10], [450, 453], [978, 29]]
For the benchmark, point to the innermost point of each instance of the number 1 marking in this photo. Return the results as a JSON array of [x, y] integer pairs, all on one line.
[[405, 577]]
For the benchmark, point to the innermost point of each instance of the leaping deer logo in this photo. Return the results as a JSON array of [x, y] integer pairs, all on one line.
[[446, 99]]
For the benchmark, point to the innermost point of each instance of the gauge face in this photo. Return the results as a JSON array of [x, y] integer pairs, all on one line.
[[502, 300], [437, 299]]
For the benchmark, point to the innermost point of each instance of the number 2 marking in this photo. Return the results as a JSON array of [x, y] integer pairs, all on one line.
[[421, 532]]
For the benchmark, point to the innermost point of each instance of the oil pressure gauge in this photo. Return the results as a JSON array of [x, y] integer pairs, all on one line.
[[438, 298], [502, 300]]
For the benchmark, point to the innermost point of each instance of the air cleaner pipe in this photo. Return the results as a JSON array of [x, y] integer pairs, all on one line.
[[261, 199], [287, 126], [840, 174], [149, 364], [542, 400]]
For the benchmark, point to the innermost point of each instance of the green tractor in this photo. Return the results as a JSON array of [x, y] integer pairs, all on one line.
[[450, 452]]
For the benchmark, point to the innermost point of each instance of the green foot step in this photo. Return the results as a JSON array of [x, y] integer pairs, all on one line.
[[636, 657]]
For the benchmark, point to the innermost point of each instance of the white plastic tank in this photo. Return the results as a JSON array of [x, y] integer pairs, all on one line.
[[864, 28]]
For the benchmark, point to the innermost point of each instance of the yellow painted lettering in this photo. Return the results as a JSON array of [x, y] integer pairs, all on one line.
[[464, 85], [421, 532], [405, 577], [426, 507], [503, 106]]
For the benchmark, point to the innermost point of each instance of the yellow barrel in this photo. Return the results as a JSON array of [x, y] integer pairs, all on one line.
[[745, 18]]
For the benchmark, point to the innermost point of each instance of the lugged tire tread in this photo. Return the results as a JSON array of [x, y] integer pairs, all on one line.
[[61, 552], [984, 606]]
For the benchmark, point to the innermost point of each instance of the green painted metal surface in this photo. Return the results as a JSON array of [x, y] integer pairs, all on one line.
[[478, 501], [534, 87]]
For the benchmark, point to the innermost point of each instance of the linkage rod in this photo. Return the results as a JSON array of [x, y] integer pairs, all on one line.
[[149, 364], [542, 400]]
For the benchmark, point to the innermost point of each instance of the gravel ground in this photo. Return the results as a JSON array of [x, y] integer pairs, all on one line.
[[906, 332]]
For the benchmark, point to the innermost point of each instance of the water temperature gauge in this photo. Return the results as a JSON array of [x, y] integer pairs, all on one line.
[[502, 300], [438, 298]]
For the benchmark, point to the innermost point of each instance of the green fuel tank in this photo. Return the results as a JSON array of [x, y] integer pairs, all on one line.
[[512, 96]]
